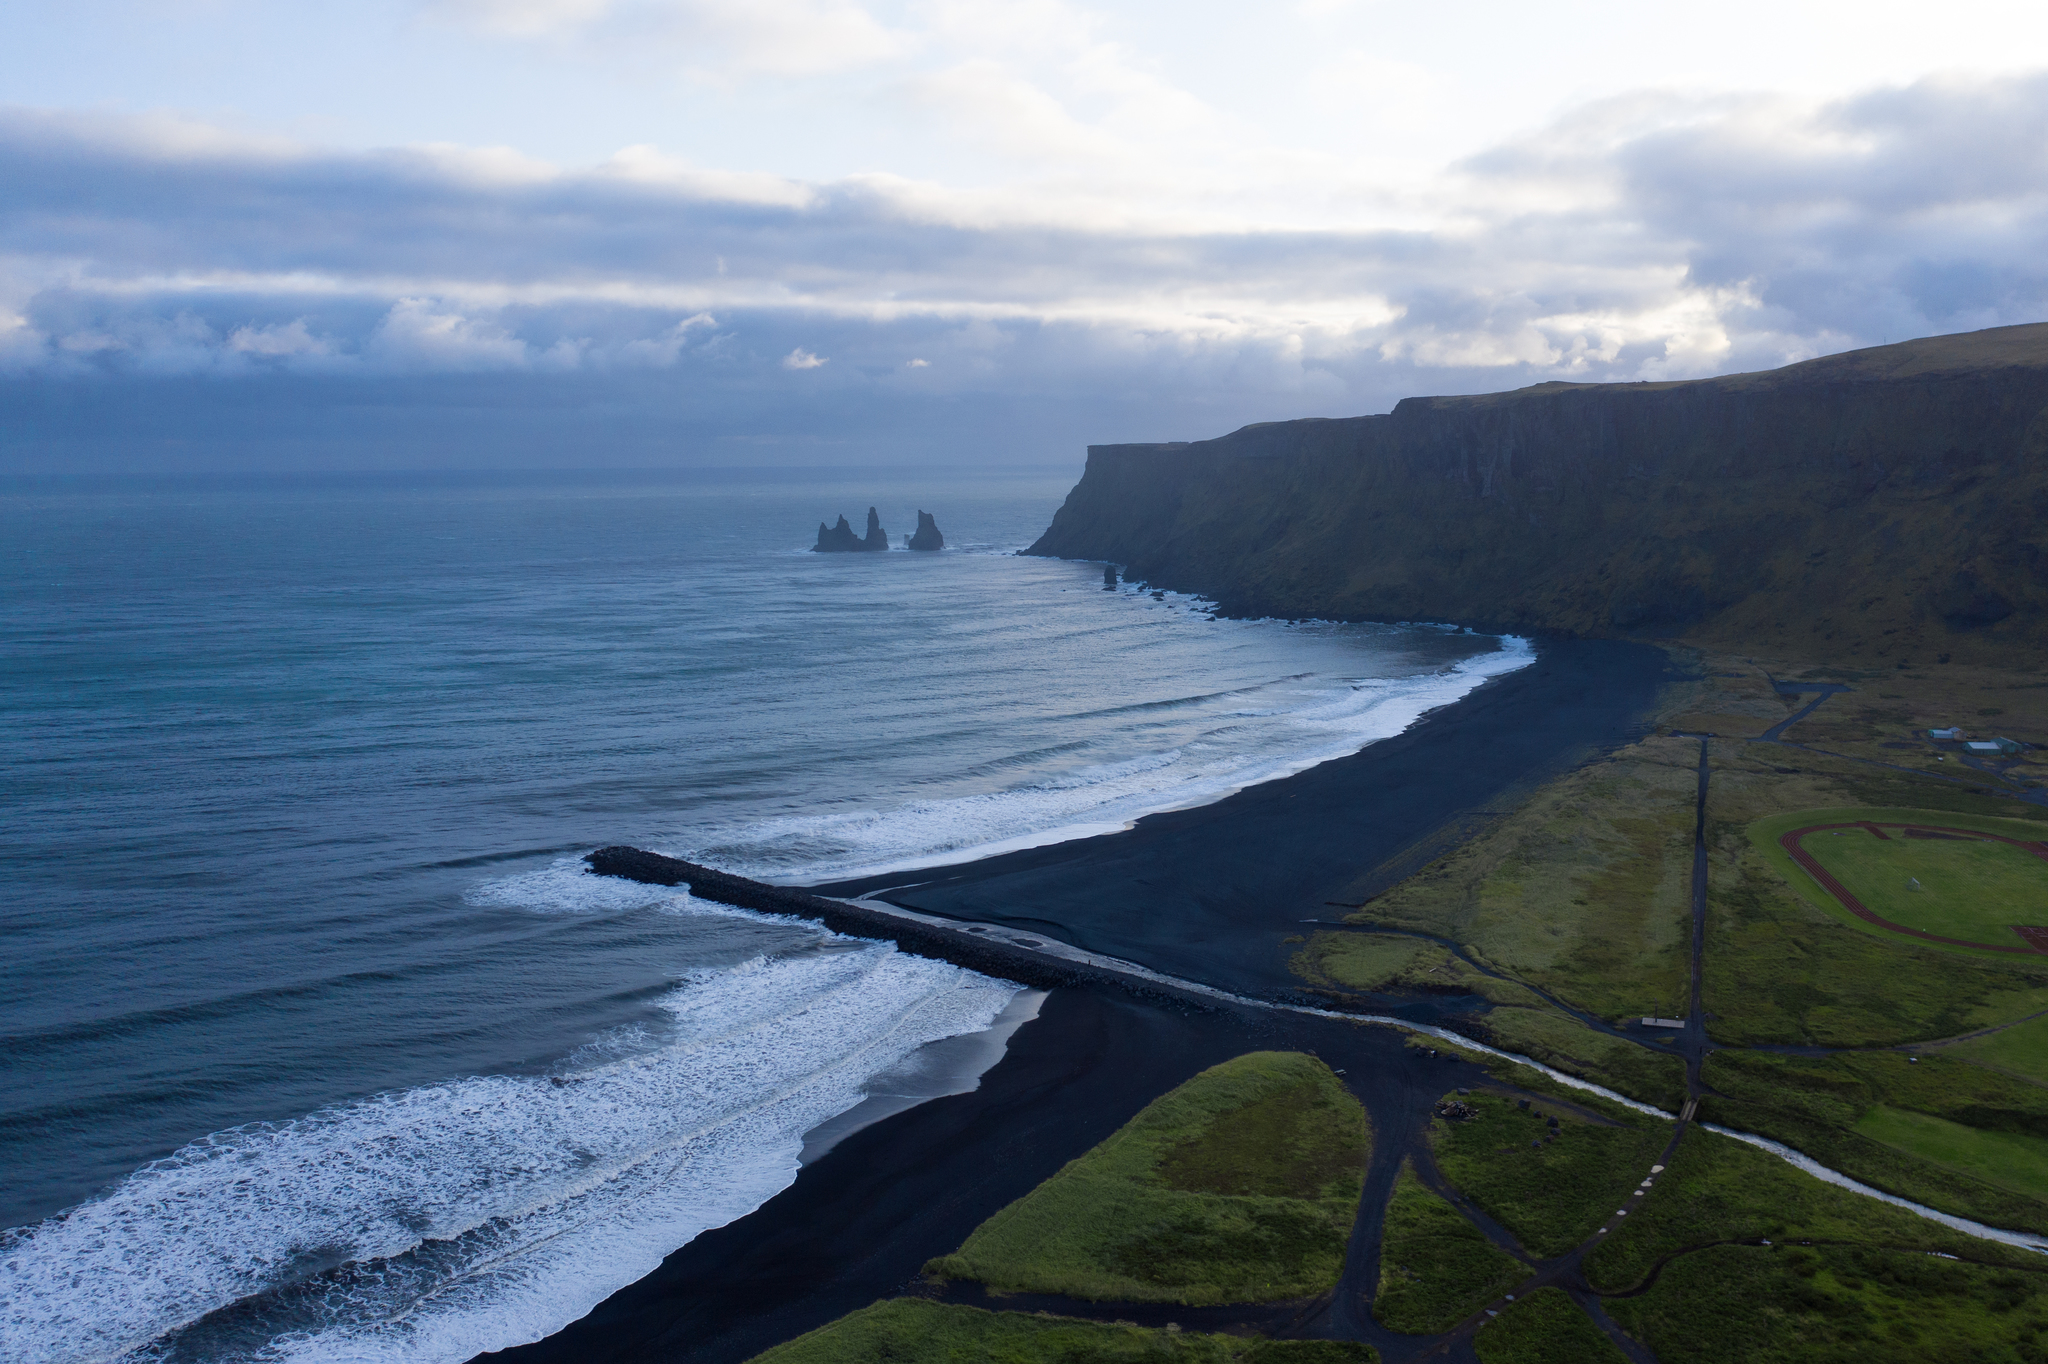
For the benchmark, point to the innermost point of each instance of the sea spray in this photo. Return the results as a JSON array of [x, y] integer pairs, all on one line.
[[1221, 743], [445, 1220]]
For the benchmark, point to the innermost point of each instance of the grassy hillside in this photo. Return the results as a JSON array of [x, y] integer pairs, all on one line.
[[1877, 506], [1239, 1186]]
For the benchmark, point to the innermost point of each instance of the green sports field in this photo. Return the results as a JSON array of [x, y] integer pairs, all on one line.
[[1973, 889]]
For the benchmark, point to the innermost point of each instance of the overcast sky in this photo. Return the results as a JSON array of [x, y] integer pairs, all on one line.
[[622, 232]]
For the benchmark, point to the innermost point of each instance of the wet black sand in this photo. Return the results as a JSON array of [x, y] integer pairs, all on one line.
[[1208, 894]]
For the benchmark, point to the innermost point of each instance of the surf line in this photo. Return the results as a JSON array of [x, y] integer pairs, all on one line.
[[1014, 954]]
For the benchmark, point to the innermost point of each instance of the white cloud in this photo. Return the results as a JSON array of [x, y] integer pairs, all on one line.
[[521, 18], [419, 332], [661, 352], [277, 340], [713, 38], [1654, 236]]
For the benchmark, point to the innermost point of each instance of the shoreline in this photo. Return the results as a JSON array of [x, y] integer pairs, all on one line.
[[1214, 888], [1518, 652], [1209, 893]]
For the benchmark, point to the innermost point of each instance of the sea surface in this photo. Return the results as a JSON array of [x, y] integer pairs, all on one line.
[[316, 1040]]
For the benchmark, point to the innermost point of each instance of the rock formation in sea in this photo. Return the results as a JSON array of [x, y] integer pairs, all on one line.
[[1882, 505], [1109, 577], [927, 536], [840, 539]]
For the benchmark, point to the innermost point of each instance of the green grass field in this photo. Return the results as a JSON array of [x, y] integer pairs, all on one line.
[[1545, 1328], [1365, 961], [1554, 1194], [1239, 1186], [907, 1331], [2011, 1160], [1974, 891], [1819, 1105], [1436, 1268], [1838, 1305], [1561, 1041], [2021, 1049], [1718, 1189]]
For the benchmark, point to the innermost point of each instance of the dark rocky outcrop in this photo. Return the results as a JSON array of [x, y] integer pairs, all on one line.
[[927, 536], [840, 539], [1879, 505]]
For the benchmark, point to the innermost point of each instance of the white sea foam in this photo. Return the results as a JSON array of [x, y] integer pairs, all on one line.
[[1291, 727], [487, 1211], [565, 886]]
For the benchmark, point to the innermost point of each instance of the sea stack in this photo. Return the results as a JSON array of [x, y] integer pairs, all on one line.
[[840, 539], [927, 536]]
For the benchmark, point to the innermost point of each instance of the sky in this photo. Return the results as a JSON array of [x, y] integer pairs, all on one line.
[[612, 233]]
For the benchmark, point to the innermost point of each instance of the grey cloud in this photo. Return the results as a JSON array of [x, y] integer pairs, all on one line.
[[394, 291]]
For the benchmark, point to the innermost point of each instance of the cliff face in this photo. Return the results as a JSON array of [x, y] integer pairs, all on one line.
[[1883, 504]]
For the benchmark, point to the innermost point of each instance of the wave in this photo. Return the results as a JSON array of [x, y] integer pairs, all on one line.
[[1305, 723], [442, 1221]]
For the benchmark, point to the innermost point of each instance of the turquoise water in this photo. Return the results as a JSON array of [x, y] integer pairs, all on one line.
[[309, 1012]]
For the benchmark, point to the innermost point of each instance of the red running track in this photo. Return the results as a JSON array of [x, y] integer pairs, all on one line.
[[2036, 939]]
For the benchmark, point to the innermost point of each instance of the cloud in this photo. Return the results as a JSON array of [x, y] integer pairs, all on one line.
[[277, 340], [420, 333], [719, 38], [1649, 236]]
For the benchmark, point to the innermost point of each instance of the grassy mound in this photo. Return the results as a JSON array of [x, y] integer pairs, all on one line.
[[1239, 1186], [1436, 1268], [906, 1331], [1368, 961], [1545, 1328]]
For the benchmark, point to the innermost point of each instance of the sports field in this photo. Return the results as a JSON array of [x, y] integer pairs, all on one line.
[[1941, 878]]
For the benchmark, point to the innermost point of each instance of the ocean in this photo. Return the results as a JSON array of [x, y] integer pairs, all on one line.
[[320, 1044]]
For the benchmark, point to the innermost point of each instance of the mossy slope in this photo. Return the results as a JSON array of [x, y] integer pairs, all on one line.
[[1436, 1268], [1239, 1186], [907, 1331]]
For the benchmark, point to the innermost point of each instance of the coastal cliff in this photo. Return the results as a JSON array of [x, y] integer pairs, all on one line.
[[1882, 505]]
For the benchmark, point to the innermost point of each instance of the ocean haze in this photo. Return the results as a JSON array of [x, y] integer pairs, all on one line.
[[303, 767]]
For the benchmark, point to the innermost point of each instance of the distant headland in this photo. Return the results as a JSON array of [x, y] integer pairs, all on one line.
[[1879, 506]]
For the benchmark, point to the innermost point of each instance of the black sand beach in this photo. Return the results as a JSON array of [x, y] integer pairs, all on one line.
[[857, 1225], [1207, 893]]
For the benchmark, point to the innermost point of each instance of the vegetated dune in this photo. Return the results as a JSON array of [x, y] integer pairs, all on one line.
[[1876, 506]]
